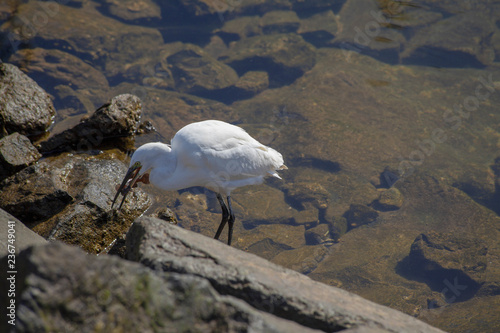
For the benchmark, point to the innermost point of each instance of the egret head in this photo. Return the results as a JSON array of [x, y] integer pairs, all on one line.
[[142, 161]]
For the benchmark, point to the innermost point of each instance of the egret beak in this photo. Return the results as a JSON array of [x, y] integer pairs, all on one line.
[[128, 182]]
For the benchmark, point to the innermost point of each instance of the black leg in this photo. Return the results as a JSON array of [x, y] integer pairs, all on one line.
[[230, 221], [225, 215]]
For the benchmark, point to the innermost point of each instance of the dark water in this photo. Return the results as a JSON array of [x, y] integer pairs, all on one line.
[[386, 114]]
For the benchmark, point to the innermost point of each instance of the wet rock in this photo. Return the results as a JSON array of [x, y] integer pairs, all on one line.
[[194, 71], [272, 53], [389, 199], [318, 235], [338, 224], [318, 29], [71, 103], [69, 198], [24, 106], [259, 282], [457, 41], [23, 236], [132, 10], [359, 215], [33, 194], [66, 289], [279, 22], [118, 118], [16, 152]]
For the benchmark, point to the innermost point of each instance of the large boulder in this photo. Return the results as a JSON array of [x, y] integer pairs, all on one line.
[[24, 106], [263, 285], [66, 290]]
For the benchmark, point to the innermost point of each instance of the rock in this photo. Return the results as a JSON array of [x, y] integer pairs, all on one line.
[[279, 22], [239, 28], [267, 248], [16, 152], [389, 199], [52, 68], [282, 236], [67, 290], [23, 236], [436, 257], [194, 71], [105, 42], [359, 215], [303, 260], [366, 29], [118, 118], [251, 83], [318, 235], [272, 53], [132, 10], [318, 29], [24, 106], [458, 41], [33, 194], [263, 285], [69, 198]]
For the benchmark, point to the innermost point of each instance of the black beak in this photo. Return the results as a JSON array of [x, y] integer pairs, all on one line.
[[128, 182]]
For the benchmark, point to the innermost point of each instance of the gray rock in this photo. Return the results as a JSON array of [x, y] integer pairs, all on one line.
[[23, 236], [69, 198], [263, 285], [118, 118], [24, 106], [288, 55], [66, 290], [16, 152]]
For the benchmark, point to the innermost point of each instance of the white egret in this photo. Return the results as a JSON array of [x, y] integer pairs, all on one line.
[[212, 154]]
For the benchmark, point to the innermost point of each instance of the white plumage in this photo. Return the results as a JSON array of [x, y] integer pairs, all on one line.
[[212, 154]]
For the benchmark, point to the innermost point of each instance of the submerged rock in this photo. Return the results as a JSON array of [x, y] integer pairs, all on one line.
[[24, 106], [284, 56]]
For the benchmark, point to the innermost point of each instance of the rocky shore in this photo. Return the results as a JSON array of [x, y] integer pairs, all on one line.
[[386, 115]]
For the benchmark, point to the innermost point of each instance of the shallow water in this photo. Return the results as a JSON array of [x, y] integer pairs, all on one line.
[[359, 96]]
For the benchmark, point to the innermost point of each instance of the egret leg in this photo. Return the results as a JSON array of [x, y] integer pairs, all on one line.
[[230, 221], [225, 216]]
